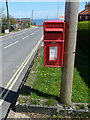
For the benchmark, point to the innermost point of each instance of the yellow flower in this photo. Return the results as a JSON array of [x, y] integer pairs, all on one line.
[[46, 88]]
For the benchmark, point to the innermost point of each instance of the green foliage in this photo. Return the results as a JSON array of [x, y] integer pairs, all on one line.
[[84, 25], [23, 100], [50, 102], [80, 107], [83, 34], [35, 102], [81, 83], [2, 14], [1, 34], [12, 20], [4, 18]]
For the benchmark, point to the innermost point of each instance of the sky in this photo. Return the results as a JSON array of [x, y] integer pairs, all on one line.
[[40, 9]]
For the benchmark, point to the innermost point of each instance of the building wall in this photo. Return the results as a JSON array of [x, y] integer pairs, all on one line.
[[83, 17]]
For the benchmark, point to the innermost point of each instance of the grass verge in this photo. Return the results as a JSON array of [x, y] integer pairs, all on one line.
[[47, 83], [44, 82], [2, 34]]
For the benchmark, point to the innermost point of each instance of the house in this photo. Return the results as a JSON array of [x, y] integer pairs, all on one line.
[[85, 14], [22, 20]]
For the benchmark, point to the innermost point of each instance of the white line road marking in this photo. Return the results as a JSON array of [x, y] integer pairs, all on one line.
[[11, 44], [36, 31], [16, 34], [18, 72], [31, 33], [25, 37]]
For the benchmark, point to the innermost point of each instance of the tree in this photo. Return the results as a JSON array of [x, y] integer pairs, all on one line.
[[12, 20], [4, 18], [27, 23], [2, 14]]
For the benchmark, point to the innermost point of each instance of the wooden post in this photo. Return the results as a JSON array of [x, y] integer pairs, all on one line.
[[71, 19]]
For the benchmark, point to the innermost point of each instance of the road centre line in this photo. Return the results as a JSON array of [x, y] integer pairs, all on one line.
[[25, 37], [11, 44], [18, 72], [15, 35], [31, 33], [35, 31]]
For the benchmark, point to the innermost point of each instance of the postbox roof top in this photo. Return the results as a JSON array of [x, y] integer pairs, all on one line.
[[54, 21]]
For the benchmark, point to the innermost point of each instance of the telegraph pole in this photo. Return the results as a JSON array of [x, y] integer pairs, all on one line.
[[8, 20], [57, 9], [32, 17], [71, 19], [47, 18], [32, 14]]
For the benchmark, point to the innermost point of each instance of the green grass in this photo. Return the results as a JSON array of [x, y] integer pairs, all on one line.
[[1, 34], [80, 107], [47, 84], [50, 102], [23, 100], [15, 30]]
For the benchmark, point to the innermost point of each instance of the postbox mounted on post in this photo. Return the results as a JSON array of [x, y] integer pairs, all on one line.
[[53, 43]]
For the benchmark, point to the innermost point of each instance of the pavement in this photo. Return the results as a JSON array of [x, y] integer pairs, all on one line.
[[17, 51]]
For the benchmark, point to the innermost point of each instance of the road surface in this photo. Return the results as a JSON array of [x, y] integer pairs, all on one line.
[[17, 50]]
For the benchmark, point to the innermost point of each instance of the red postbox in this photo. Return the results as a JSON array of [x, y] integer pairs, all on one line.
[[53, 43]]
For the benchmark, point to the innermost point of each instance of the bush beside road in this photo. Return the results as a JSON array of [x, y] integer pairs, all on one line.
[[83, 34]]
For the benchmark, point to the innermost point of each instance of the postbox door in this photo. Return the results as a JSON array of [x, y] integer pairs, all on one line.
[[53, 55]]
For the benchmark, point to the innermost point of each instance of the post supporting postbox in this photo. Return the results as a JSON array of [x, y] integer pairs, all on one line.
[[71, 19]]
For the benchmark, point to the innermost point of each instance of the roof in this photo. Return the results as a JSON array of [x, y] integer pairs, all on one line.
[[84, 12], [22, 19]]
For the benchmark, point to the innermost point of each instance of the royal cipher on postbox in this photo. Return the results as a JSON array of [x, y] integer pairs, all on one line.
[[54, 43]]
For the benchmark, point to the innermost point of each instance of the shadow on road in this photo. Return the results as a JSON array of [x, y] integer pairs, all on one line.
[[7, 95]]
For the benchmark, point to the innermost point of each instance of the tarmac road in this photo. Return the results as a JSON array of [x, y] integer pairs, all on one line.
[[17, 52]]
